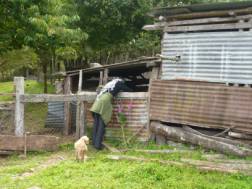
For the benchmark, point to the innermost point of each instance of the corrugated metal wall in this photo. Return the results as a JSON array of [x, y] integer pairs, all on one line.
[[209, 56], [202, 104], [137, 118]]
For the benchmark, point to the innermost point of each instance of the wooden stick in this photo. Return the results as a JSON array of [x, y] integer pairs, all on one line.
[[223, 132], [157, 151], [110, 148], [202, 165]]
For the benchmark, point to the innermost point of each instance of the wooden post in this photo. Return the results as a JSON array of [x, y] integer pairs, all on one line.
[[80, 81], [80, 117], [105, 76], [67, 111], [154, 75], [19, 106], [101, 78]]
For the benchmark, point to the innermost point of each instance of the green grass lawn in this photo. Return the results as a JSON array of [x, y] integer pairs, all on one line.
[[31, 87], [100, 172]]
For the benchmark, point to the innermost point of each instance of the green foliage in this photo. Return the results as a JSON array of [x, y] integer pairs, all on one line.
[[122, 119], [17, 59]]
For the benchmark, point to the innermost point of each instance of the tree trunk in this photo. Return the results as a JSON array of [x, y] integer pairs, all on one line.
[[45, 77], [51, 70]]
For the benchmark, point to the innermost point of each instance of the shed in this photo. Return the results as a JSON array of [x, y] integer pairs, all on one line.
[[209, 84], [137, 74]]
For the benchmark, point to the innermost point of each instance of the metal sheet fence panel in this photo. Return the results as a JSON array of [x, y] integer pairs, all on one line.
[[209, 56], [137, 117], [203, 104], [55, 115]]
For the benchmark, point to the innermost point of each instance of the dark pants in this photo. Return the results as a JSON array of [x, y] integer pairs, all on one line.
[[98, 131]]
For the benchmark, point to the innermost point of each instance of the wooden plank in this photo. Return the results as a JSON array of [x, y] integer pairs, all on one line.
[[19, 106], [34, 143], [153, 27], [85, 96], [209, 27], [80, 81], [5, 153], [208, 20], [7, 102], [67, 111], [224, 13]]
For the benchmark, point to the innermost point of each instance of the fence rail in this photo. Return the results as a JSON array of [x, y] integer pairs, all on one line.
[[22, 98]]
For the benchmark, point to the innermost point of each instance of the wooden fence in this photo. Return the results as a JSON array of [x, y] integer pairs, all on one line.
[[22, 98]]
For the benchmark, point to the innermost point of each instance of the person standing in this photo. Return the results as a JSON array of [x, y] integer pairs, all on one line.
[[102, 109]]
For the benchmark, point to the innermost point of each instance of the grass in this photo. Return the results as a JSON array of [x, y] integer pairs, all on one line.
[[99, 172], [35, 113], [31, 87]]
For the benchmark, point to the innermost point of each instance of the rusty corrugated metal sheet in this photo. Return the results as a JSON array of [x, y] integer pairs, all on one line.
[[202, 104], [209, 56], [136, 118]]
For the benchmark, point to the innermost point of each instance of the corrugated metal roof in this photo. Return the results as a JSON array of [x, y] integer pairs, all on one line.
[[209, 56], [203, 104], [142, 62], [172, 11]]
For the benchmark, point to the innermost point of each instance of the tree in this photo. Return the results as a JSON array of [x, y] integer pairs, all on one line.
[[52, 26], [17, 59], [110, 23]]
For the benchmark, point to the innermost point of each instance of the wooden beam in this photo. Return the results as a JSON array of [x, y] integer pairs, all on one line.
[[19, 106], [101, 78], [67, 111], [154, 75], [210, 27], [34, 143], [85, 96], [105, 76], [208, 20]]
